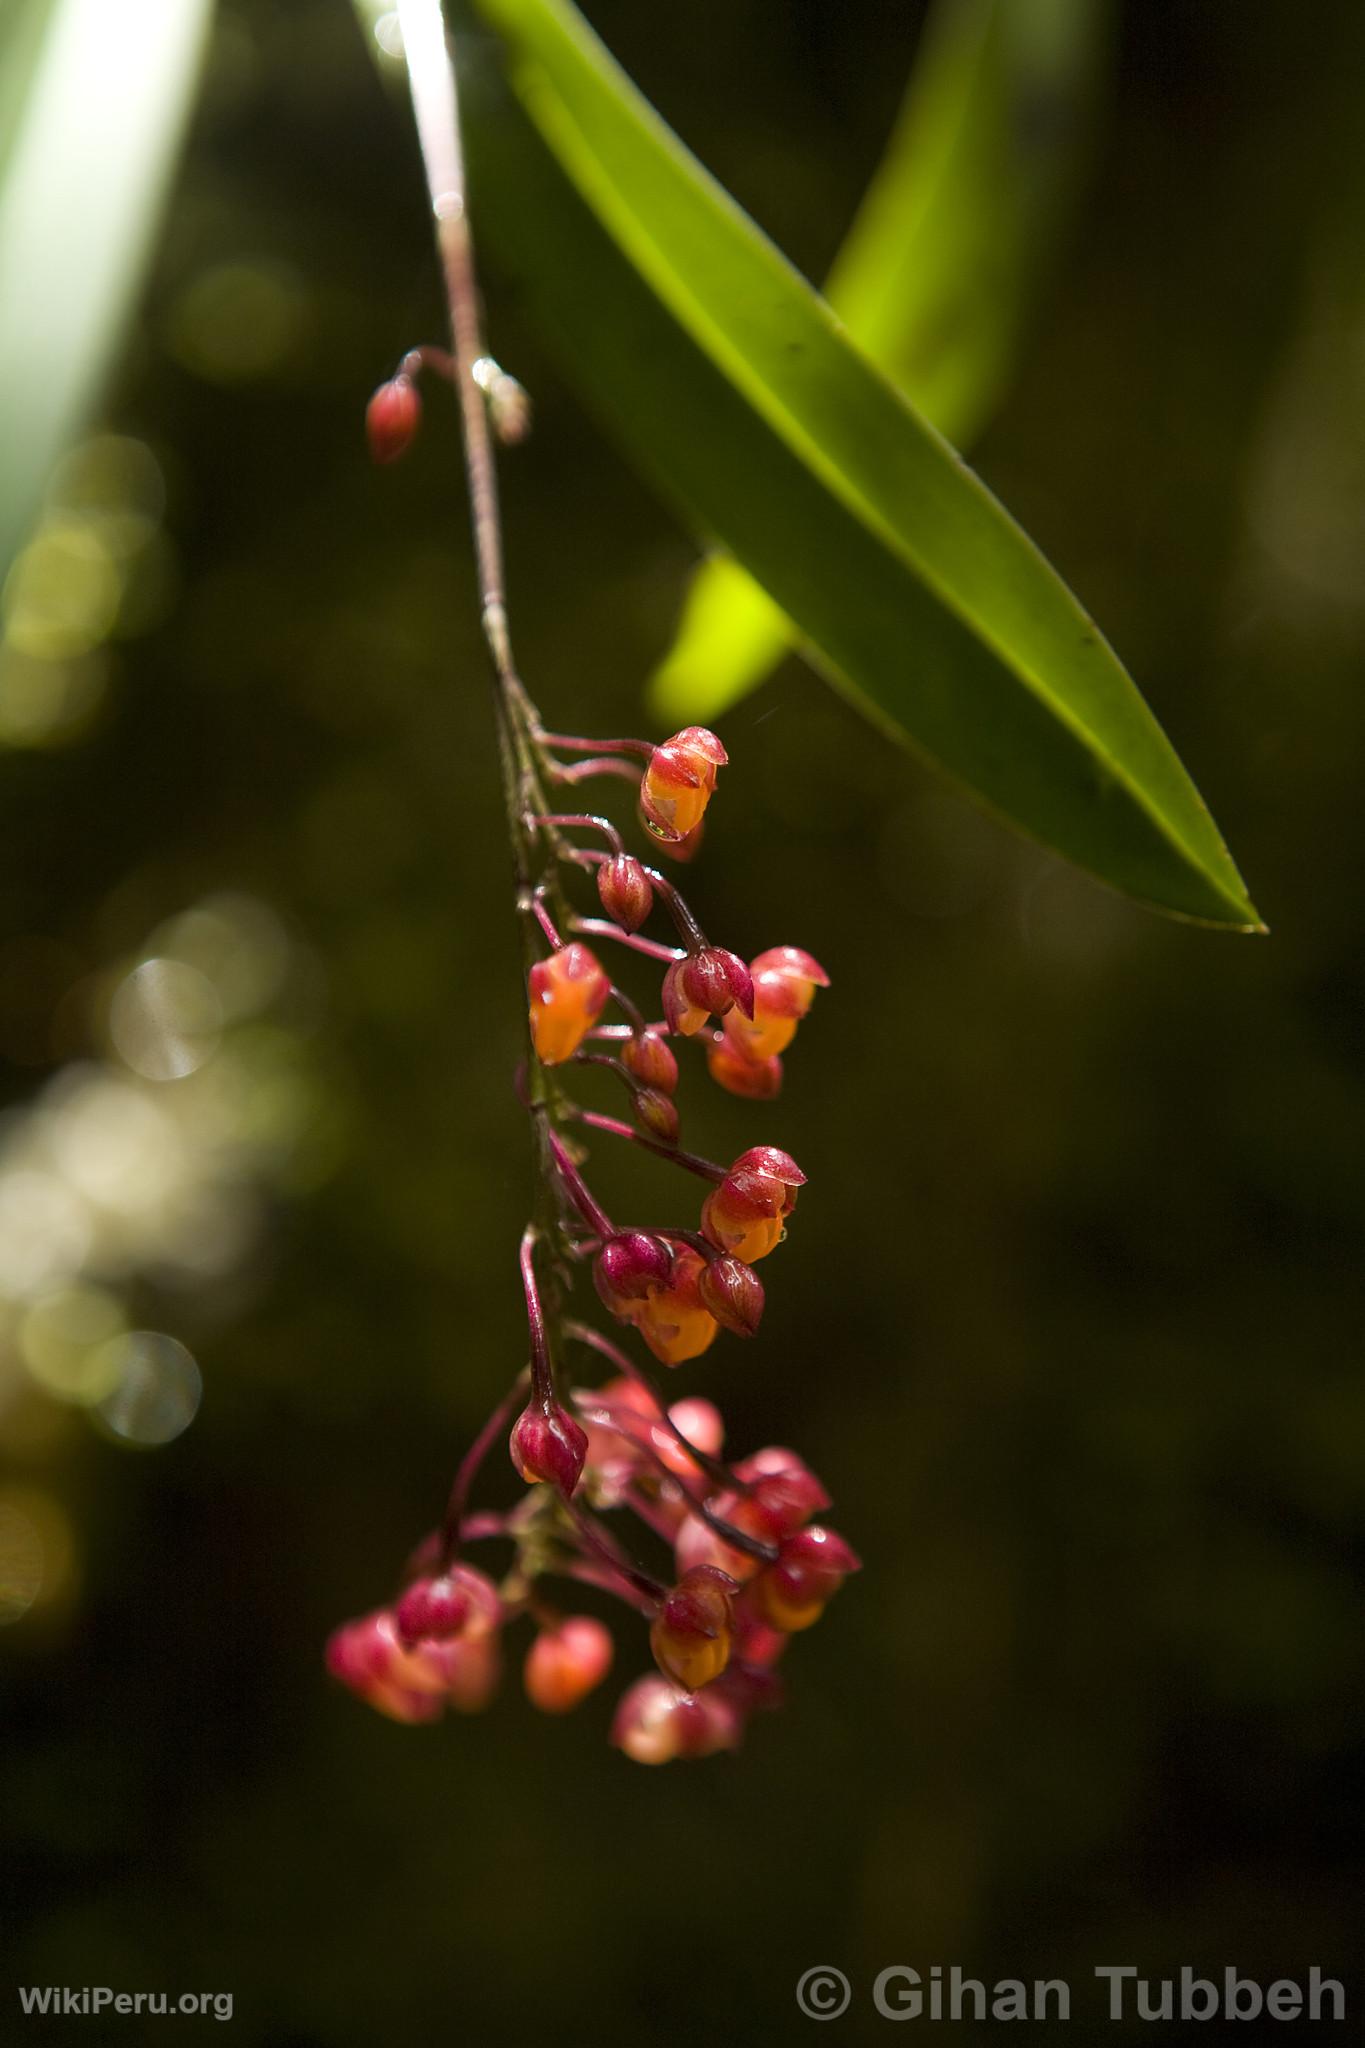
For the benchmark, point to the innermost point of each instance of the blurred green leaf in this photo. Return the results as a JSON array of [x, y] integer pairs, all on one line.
[[936, 275], [93, 99], [741, 394]]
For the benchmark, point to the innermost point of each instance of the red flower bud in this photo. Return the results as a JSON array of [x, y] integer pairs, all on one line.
[[678, 781], [568, 994], [651, 1059], [733, 1293], [692, 1634], [626, 891], [548, 1447], [462, 1602], [681, 1015], [565, 1663], [627, 1267], [657, 1113], [392, 418], [715, 981], [812, 1565]]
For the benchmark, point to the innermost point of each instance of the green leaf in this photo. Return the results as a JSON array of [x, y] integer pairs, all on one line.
[[742, 394], [937, 273], [93, 95]]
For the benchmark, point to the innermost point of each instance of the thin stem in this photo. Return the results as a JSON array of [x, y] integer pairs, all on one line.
[[575, 743], [578, 1191], [542, 1369], [581, 821], [585, 771], [706, 1168], [602, 928]]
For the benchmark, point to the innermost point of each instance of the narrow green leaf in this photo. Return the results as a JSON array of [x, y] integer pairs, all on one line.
[[937, 273], [95, 94], [743, 396]]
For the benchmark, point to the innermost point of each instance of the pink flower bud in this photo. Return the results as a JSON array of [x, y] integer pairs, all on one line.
[[734, 1294], [701, 1422], [431, 1610], [654, 1723], [548, 1447], [392, 418], [567, 1662], [462, 1602], [650, 1058], [626, 891]]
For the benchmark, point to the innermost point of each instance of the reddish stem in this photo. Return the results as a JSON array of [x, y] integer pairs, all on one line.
[[575, 743], [706, 1168], [454, 1525], [602, 928], [578, 1191]]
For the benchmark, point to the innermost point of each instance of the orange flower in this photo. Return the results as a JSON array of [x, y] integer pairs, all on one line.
[[568, 994], [678, 783], [785, 980], [747, 1212]]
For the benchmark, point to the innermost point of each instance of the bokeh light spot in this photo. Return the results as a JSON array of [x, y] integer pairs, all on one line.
[[158, 1392], [238, 322], [165, 1019], [61, 598]]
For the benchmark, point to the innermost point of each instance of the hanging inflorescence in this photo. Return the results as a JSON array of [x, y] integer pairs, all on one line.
[[748, 1564]]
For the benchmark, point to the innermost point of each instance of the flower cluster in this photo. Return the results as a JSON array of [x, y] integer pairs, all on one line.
[[742, 1561], [749, 1562]]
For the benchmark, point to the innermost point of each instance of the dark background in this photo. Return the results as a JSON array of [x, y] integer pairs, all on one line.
[[1070, 1323]]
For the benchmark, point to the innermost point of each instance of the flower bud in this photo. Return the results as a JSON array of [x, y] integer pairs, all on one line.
[[715, 981], [657, 1113], [650, 1058], [733, 1293], [548, 1447], [811, 1566], [473, 1671], [567, 1662], [392, 418], [431, 1610], [692, 1633], [678, 781], [568, 994], [627, 1267], [368, 1658], [681, 1015], [674, 1320], [654, 1723], [746, 1213], [732, 1068], [626, 891], [461, 1602]]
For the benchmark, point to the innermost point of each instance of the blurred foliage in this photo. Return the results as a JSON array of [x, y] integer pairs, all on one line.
[[938, 273], [740, 395], [1072, 1321]]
